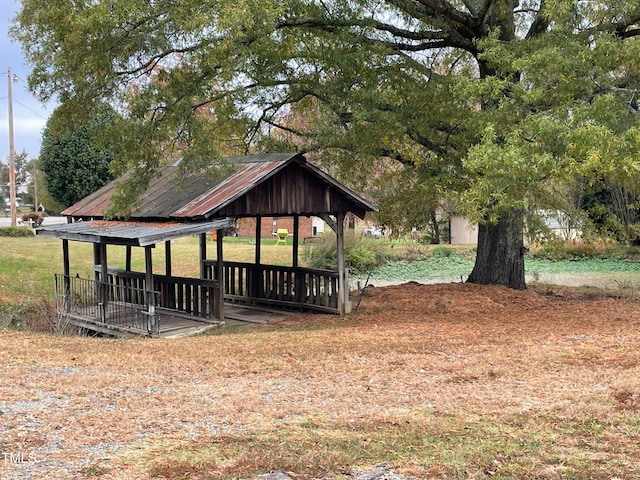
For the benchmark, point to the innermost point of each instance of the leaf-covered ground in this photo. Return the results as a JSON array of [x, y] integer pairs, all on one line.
[[439, 381]]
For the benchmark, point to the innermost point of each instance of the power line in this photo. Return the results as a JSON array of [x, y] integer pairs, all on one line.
[[25, 107], [30, 109]]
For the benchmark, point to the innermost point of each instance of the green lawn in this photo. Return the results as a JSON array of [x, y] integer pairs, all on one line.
[[27, 264], [459, 264]]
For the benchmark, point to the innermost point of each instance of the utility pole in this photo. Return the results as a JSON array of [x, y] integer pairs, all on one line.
[[12, 154]]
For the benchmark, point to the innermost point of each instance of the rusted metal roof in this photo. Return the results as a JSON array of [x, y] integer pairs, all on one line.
[[198, 196], [136, 234], [228, 189]]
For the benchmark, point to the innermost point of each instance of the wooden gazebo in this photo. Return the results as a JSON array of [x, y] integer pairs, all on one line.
[[178, 204]]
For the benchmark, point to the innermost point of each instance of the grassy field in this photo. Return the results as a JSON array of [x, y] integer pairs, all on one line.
[[27, 264]]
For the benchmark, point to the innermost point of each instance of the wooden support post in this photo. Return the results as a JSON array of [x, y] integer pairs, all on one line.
[[151, 300], [203, 254], [220, 275], [104, 281], [127, 260], [66, 271], [298, 282], [343, 281], [103, 263], [254, 281], [296, 237], [168, 294], [203, 292], [258, 237], [97, 254]]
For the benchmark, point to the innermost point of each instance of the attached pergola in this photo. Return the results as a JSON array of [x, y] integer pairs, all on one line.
[[178, 204]]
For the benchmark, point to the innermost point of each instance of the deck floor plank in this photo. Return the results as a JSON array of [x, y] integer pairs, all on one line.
[[173, 326]]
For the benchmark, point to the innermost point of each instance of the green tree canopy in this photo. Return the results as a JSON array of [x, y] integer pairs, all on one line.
[[492, 103], [75, 157]]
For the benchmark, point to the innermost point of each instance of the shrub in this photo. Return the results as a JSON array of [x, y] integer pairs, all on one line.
[[442, 252], [620, 252], [16, 232], [361, 260], [558, 251], [13, 315], [321, 254], [34, 317], [361, 254]]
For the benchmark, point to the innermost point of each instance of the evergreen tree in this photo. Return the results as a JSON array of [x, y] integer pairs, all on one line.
[[74, 158]]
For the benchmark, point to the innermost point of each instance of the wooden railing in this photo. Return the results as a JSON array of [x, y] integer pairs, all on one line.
[[192, 296], [302, 288]]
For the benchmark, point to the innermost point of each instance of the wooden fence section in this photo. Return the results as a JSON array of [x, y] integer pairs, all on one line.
[[302, 288], [193, 296]]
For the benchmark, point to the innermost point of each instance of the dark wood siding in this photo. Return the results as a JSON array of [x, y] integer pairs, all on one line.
[[293, 190]]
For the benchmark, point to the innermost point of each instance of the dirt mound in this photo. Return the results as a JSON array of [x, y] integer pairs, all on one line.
[[452, 297], [538, 311]]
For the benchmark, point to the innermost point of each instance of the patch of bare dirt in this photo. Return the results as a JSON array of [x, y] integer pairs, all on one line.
[[88, 407]]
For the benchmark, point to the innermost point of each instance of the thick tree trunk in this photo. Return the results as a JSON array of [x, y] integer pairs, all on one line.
[[500, 257]]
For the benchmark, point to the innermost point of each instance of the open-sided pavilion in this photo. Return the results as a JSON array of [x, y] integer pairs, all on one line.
[[178, 204]]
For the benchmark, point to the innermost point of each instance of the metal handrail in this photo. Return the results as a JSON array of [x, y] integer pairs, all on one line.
[[107, 303]]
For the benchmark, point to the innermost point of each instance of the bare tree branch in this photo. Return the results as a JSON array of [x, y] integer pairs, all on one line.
[[540, 23], [445, 9]]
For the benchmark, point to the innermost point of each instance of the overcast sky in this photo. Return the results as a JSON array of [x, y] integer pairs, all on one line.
[[29, 116]]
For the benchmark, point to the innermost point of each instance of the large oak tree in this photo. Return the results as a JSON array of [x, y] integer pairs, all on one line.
[[492, 104]]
